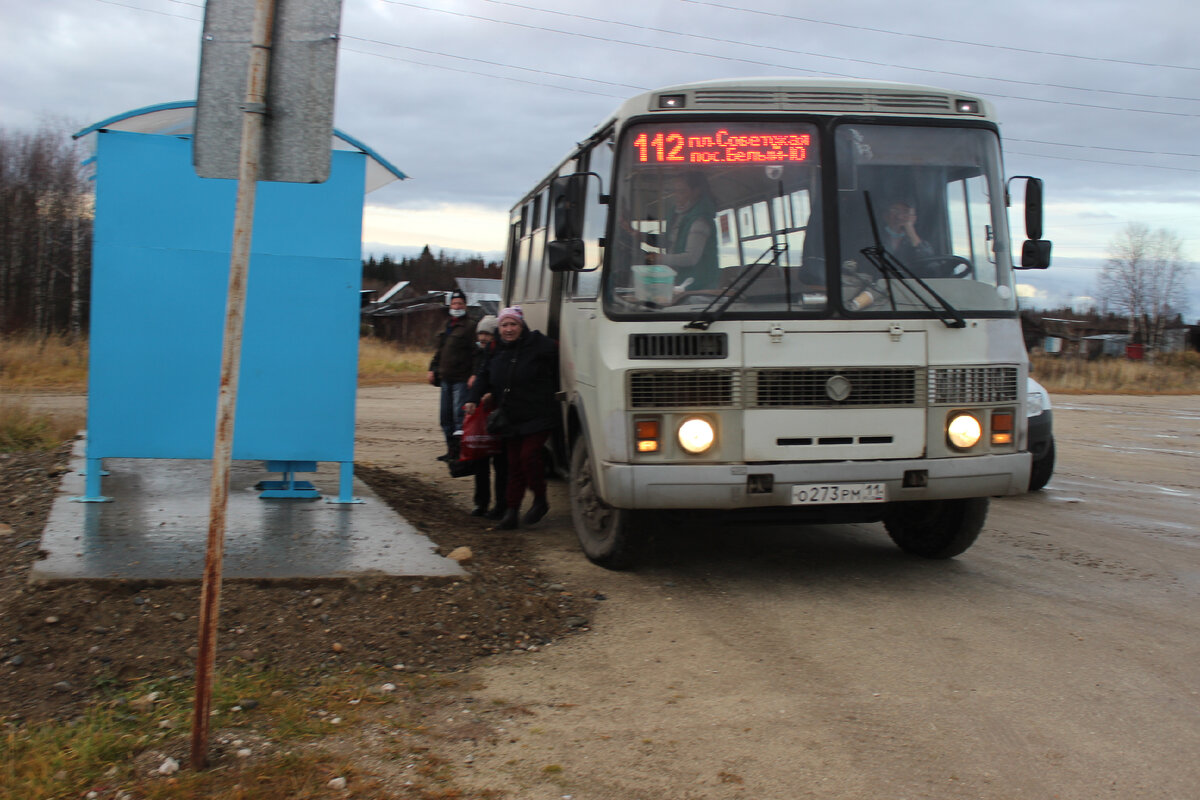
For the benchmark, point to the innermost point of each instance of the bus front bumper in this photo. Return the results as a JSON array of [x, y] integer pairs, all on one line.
[[736, 486]]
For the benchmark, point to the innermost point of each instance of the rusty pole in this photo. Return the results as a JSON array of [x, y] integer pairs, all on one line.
[[253, 110]]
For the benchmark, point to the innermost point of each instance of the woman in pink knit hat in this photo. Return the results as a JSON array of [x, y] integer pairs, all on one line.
[[522, 378]]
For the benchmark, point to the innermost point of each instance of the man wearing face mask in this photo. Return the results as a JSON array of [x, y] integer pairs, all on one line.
[[453, 359]]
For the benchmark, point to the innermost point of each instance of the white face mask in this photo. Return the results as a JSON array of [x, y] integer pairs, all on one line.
[[458, 312]]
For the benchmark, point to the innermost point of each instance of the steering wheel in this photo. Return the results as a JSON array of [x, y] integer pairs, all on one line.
[[949, 266]]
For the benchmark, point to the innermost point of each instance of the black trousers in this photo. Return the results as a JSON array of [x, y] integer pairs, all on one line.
[[493, 467]]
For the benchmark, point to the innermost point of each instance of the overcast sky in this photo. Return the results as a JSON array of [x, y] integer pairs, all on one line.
[[478, 99]]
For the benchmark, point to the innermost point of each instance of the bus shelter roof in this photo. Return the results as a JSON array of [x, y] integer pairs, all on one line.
[[178, 119]]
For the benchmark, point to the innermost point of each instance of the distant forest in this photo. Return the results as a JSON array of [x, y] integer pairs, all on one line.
[[45, 234], [427, 272]]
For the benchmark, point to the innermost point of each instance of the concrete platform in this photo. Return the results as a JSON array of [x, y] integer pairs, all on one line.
[[157, 525]]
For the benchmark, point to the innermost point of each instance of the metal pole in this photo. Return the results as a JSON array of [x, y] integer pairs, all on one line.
[[231, 354]]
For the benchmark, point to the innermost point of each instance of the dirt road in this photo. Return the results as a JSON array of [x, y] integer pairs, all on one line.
[[1059, 657]]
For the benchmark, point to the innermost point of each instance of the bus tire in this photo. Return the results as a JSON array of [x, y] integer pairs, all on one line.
[[606, 534], [1043, 468], [936, 528]]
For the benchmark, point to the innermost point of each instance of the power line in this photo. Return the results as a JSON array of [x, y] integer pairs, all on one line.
[[1113, 149], [480, 74], [152, 10], [631, 86], [1097, 161], [490, 63], [756, 62], [813, 54], [943, 39]]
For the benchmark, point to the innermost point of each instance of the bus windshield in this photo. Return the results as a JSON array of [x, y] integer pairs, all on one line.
[[932, 198], [732, 209], [699, 202]]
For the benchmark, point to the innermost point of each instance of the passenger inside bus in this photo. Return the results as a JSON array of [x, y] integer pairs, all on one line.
[[688, 244]]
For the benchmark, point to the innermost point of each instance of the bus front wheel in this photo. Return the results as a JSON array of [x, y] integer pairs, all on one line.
[[606, 534], [936, 528]]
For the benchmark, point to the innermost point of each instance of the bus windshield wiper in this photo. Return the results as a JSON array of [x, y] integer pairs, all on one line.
[[891, 267], [713, 311]]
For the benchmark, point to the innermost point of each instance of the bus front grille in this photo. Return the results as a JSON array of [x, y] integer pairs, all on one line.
[[684, 388], [958, 385], [678, 345], [836, 388]]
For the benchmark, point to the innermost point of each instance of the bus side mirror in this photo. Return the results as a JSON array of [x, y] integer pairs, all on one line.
[[1033, 208], [565, 255], [1035, 253], [565, 252], [567, 195]]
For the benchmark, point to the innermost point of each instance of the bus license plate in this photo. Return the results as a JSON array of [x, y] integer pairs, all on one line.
[[827, 493]]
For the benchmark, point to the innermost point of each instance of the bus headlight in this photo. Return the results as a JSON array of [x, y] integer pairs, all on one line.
[[696, 435], [963, 431]]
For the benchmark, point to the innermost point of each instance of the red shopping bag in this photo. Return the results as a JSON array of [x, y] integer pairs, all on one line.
[[476, 441]]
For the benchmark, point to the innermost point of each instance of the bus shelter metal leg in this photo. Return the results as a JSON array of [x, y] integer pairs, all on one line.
[[288, 488], [91, 488], [345, 485]]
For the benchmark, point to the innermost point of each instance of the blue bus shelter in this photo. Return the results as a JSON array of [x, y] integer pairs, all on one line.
[[160, 267]]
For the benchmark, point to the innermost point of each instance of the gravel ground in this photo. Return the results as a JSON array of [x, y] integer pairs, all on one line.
[[65, 645]]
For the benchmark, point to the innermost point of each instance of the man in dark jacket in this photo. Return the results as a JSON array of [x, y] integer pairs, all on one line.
[[522, 378], [453, 361]]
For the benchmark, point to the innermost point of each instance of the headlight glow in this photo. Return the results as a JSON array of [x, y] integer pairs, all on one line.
[[963, 431], [696, 435]]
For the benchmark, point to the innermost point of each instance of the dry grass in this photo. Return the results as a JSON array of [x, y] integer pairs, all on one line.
[[381, 363], [58, 364], [55, 363], [24, 430], [1178, 373]]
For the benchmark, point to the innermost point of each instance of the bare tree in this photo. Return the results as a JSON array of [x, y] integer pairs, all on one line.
[[45, 232], [1145, 279]]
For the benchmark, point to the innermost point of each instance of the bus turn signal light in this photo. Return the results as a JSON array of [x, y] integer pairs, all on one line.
[[645, 432], [1002, 427]]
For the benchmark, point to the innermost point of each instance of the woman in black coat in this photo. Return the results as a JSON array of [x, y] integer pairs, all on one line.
[[522, 378]]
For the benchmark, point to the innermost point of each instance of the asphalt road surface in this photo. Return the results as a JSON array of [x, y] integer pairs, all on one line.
[[1059, 657]]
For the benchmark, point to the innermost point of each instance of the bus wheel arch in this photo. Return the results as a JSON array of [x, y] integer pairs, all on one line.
[[936, 528], [608, 536]]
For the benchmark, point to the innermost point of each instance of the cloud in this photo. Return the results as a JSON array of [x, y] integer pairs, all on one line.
[[461, 226]]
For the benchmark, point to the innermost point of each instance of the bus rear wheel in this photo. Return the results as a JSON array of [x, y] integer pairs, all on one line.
[[936, 528], [606, 534]]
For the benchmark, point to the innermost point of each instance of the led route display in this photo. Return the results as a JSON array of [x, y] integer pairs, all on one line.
[[722, 146]]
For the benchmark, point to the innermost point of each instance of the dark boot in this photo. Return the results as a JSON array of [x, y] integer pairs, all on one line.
[[509, 521], [497, 512], [536, 511]]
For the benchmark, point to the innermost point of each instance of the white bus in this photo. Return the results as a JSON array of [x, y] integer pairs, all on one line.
[[783, 299]]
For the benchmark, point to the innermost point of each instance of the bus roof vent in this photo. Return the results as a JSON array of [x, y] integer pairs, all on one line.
[[678, 345], [737, 98], [866, 100], [845, 99], [912, 101], [826, 100]]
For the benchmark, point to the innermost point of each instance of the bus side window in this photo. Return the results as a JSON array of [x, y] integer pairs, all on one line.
[[970, 220], [512, 259], [534, 289], [595, 220], [520, 290]]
